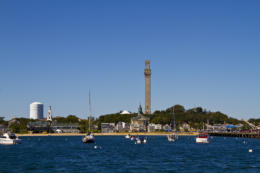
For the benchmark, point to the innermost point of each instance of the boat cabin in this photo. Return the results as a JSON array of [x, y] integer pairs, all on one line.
[[203, 135]]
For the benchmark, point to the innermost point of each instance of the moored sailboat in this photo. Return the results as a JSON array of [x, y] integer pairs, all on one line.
[[173, 137], [89, 138]]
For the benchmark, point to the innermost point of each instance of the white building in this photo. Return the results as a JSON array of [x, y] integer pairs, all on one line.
[[154, 127], [125, 112], [122, 127], [107, 127], [36, 110]]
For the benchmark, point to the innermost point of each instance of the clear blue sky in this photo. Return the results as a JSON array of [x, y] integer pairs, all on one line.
[[203, 53]]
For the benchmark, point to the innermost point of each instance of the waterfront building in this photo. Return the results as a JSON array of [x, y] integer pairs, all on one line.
[[65, 127], [107, 127], [154, 127], [167, 128], [36, 110], [147, 74], [150, 128], [58, 131], [45, 126], [122, 127], [185, 126], [37, 126], [215, 128], [139, 123]]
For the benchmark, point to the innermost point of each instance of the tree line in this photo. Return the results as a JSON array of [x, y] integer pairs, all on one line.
[[195, 117]]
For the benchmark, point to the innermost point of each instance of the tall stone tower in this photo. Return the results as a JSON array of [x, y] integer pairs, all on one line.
[[147, 75], [49, 116]]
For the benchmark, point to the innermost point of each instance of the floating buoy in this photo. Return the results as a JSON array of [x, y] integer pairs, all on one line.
[[95, 147], [250, 150]]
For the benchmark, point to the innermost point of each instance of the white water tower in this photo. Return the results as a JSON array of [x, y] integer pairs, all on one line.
[[36, 110]]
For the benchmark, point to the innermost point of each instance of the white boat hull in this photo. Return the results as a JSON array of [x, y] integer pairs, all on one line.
[[138, 141], [172, 138], [202, 140], [127, 136], [88, 139], [10, 141]]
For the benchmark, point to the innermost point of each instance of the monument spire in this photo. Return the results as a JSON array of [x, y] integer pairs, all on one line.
[[147, 75], [49, 117]]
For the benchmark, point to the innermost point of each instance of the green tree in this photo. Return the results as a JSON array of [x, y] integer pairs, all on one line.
[[2, 121], [15, 128], [72, 119]]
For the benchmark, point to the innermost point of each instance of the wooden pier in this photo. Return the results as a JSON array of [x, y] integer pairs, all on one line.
[[236, 134]]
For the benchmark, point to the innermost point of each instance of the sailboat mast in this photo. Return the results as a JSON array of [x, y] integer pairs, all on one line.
[[174, 122], [89, 105]]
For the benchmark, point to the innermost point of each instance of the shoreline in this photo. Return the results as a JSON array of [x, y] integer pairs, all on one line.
[[112, 134]]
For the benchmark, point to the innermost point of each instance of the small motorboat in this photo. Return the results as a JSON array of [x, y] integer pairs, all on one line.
[[173, 137], [141, 140], [133, 138], [202, 138], [89, 138], [127, 136], [9, 138]]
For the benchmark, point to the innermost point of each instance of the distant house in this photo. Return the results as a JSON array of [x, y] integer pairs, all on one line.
[[167, 128], [216, 127], [65, 127], [58, 131], [122, 127], [94, 127], [139, 123], [107, 127], [38, 126], [125, 112], [154, 127], [185, 126], [44, 126]]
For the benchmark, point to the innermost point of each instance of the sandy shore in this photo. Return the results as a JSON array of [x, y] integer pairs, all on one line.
[[111, 134]]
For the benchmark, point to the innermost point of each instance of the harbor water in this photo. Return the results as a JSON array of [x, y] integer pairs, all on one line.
[[117, 154]]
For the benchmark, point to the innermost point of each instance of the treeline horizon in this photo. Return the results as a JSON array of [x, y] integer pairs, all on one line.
[[196, 117]]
